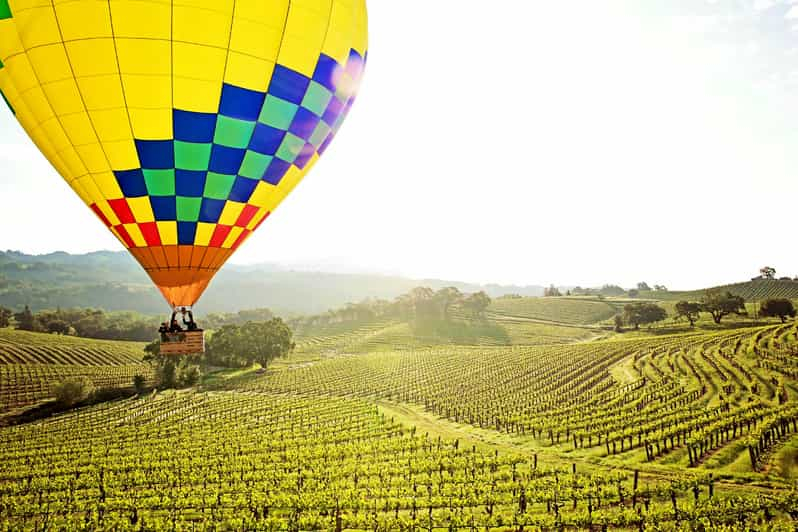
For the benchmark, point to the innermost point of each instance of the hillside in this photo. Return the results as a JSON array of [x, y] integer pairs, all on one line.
[[576, 311], [30, 363], [114, 281], [756, 290]]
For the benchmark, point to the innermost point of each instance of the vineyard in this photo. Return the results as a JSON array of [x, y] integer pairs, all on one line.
[[648, 432], [392, 335], [686, 397], [757, 290], [30, 363], [293, 463], [576, 311]]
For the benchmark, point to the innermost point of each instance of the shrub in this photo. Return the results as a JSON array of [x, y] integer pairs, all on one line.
[[139, 383], [72, 391], [190, 375]]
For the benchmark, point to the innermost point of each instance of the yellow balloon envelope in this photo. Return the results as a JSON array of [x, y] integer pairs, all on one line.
[[182, 124]]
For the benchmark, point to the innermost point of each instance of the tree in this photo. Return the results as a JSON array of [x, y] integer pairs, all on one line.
[[778, 307], [26, 321], [58, 327], [720, 304], [551, 291], [634, 292], [5, 317], [689, 310], [72, 391], [612, 290], [445, 298], [235, 346], [618, 323], [477, 303], [642, 313], [423, 302], [767, 272], [643, 286], [660, 288]]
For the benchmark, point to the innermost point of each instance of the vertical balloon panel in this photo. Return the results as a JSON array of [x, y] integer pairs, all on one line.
[[182, 125]]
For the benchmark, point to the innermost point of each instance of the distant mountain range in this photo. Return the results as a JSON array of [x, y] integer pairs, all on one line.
[[114, 281]]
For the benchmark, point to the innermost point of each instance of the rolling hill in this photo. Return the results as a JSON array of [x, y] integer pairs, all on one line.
[[575, 311], [114, 281], [755, 290], [30, 363]]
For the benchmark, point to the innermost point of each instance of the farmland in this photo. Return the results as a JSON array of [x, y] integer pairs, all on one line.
[[385, 425], [576, 311], [30, 363], [756, 290]]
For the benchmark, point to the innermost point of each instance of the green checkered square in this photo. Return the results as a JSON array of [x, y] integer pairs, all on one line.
[[160, 182], [290, 148], [277, 112], [255, 165], [188, 209], [319, 134], [218, 186], [232, 132], [192, 155], [316, 98]]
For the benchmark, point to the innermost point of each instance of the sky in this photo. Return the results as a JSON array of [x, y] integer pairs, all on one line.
[[527, 142]]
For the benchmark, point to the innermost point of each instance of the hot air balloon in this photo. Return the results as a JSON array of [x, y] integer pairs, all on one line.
[[182, 124]]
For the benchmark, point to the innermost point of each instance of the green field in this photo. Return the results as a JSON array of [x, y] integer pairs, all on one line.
[[387, 425]]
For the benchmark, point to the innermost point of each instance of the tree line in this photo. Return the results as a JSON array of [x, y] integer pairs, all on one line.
[[717, 303], [421, 303], [86, 323]]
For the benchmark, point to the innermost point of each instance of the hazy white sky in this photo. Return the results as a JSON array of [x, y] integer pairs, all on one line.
[[528, 142]]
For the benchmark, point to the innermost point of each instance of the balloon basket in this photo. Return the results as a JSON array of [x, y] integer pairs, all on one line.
[[183, 343]]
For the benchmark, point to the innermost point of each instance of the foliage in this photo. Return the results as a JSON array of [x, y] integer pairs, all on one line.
[[172, 371], [781, 308], [618, 320], [767, 272], [218, 320], [89, 323], [643, 286], [552, 291], [643, 313], [688, 310], [720, 304], [26, 321], [420, 304], [72, 391], [139, 383], [476, 303], [253, 342]]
